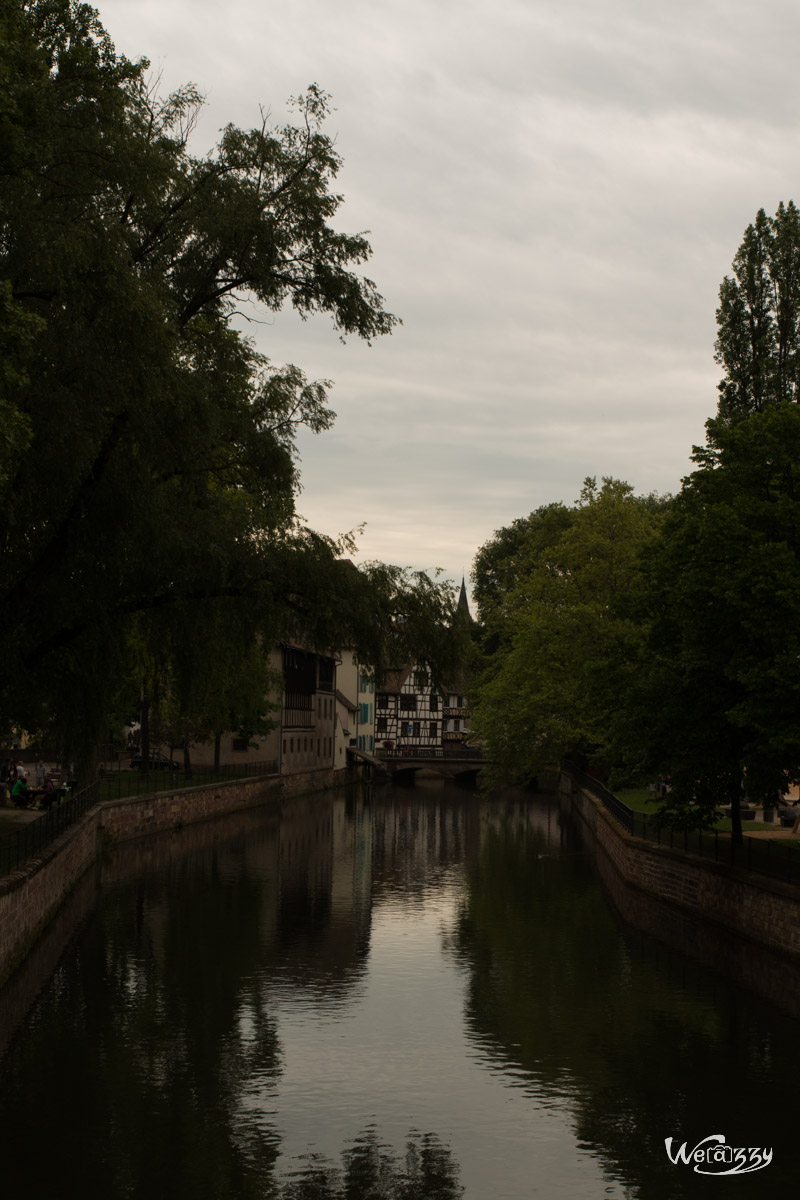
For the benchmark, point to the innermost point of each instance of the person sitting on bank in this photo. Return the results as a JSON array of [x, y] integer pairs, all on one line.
[[48, 793], [20, 794]]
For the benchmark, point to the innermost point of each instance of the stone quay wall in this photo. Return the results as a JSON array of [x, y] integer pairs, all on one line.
[[763, 910], [31, 896]]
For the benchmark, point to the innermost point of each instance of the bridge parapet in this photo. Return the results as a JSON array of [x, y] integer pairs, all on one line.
[[445, 760], [473, 753]]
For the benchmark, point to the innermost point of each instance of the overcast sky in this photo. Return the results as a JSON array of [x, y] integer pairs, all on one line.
[[554, 192]]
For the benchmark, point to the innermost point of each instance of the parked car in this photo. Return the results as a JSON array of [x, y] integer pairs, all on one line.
[[158, 762]]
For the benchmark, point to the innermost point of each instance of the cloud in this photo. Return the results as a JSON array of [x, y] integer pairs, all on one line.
[[554, 193]]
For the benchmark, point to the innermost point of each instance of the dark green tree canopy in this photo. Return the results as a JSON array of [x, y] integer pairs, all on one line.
[[147, 461], [758, 318], [714, 699], [555, 626]]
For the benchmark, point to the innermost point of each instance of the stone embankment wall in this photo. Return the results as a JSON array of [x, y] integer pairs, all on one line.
[[31, 896], [131, 858], [763, 910]]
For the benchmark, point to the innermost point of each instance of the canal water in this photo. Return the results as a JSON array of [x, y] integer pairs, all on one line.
[[413, 992]]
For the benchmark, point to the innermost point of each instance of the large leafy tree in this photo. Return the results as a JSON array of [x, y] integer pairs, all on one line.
[[147, 462], [714, 700], [559, 637], [505, 557], [758, 318]]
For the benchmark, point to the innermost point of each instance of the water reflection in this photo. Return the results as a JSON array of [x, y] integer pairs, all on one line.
[[248, 994], [372, 1171], [643, 1044]]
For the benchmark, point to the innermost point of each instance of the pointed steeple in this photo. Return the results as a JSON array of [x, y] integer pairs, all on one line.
[[463, 603]]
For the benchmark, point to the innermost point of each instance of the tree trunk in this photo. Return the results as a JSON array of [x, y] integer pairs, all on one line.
[[144, 733], [217, 744], [737, 838]]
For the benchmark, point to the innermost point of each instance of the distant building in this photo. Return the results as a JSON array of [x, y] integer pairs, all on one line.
[[366, 709], [410, 715], [407, 711], [308, 712]]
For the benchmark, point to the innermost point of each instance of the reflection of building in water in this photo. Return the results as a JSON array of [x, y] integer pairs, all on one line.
[[420, 833], [324, 889]]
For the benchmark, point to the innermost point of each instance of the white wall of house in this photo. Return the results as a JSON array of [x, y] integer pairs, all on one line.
[[366, 709]]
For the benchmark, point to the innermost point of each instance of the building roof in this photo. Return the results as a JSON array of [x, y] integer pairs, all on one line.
[[347, 703], [394, 680]]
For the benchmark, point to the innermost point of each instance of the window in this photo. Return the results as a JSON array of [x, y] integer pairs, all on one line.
[[326, 674], [364, 715], [381, 725], [291, 745], [434, 703], [406, 727], [433, 729], [420, 679], [416, 729], [382, 700], [239, 744], [457, 724], [371, 742], [408, 703]]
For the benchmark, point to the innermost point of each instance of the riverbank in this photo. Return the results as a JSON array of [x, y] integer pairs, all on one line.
[[31, 896], [755, 907]]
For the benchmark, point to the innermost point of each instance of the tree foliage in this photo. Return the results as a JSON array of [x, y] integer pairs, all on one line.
[[559, 631], [147, 459], [715, 696], [758, 318]]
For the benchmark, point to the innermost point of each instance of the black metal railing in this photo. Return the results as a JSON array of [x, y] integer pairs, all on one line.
[[778, 858], [34, 836]]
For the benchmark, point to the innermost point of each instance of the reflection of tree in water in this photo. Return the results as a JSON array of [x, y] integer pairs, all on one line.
[[134, 1066], [371, 1171], [633, 1042]]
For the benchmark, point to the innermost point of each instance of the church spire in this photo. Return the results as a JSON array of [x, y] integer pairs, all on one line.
[[463, 603]]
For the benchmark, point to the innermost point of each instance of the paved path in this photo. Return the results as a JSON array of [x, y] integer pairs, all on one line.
[[9, 814]]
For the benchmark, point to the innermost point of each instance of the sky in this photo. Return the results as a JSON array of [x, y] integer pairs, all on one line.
[[554, 193]]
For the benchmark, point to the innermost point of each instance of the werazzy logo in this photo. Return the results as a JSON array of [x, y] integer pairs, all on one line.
[[713, 1156]]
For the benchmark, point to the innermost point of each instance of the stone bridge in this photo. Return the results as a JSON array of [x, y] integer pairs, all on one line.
[[460, 761]]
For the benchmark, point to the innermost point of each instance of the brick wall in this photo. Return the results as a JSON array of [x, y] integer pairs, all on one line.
[[764, 910], [775, 977]]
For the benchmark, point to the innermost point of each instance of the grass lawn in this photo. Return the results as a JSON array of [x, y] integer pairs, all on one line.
[[640, 800]]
